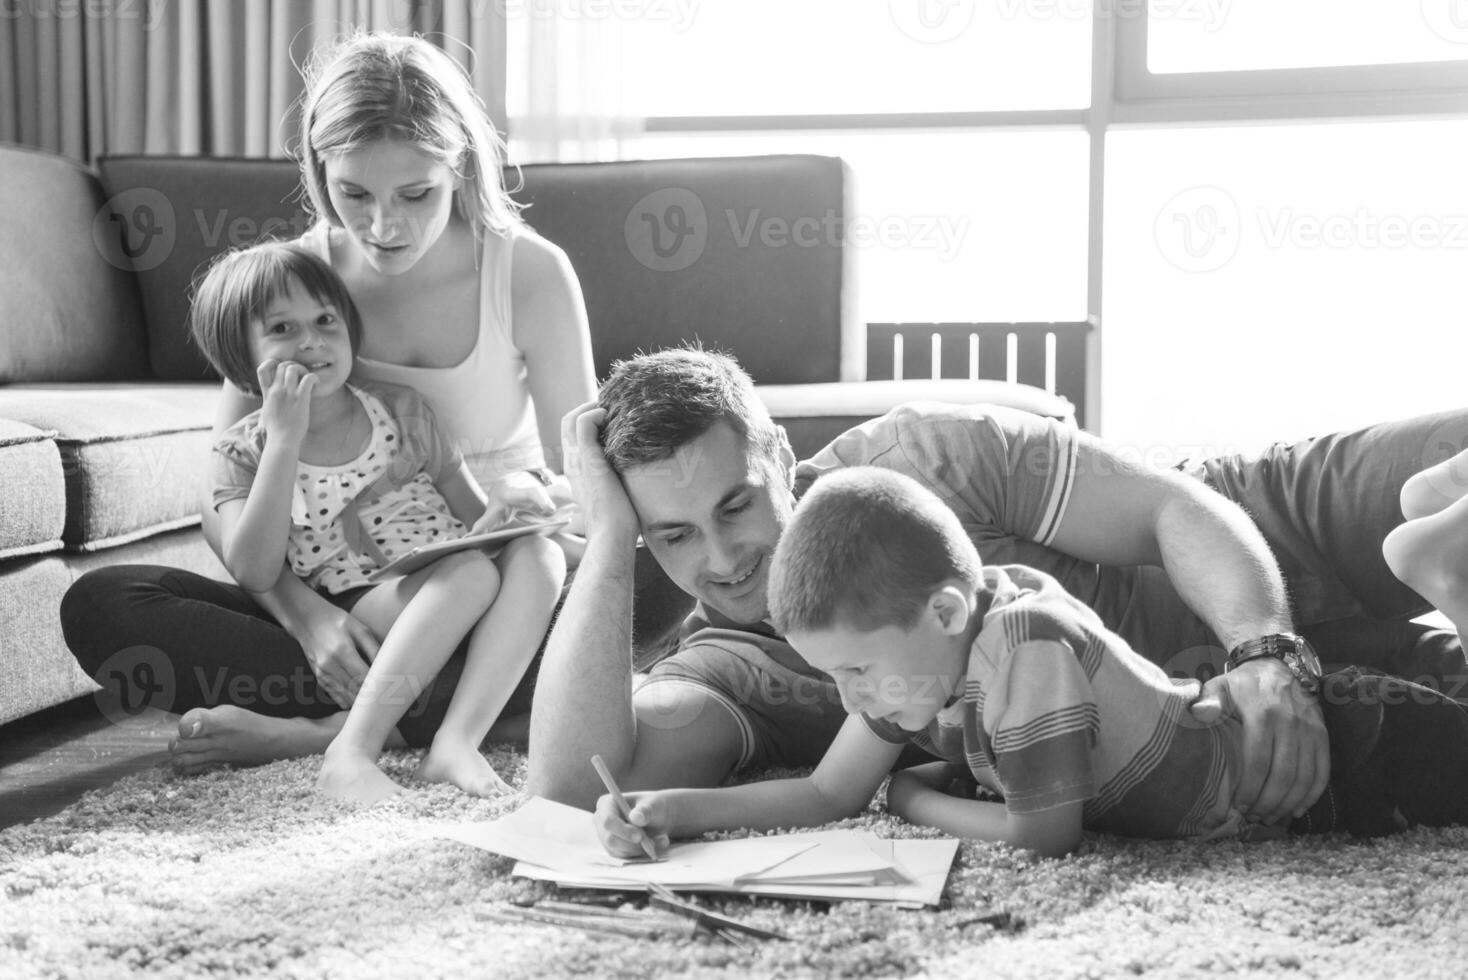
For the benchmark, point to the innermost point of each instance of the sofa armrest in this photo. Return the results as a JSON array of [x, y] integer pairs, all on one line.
[[814, 414]]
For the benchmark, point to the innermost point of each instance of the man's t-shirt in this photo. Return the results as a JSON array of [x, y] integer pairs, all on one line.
[[1057, 709], [1009, 476]]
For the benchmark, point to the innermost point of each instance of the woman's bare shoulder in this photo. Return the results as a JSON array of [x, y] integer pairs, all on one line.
[[538, 261]]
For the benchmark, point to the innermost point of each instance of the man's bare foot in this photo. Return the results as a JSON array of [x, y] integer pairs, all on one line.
[[354, 778], [209, 737], [464, 766]]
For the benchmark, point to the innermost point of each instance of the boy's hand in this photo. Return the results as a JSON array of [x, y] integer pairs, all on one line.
[[597, 487], [649, 820], [285, 387]]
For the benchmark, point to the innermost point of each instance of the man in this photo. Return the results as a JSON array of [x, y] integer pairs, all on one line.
[[680, 450]]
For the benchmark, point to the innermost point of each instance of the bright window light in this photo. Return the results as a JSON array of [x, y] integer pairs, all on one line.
[[768, 57], [948, 227], [1238, 35], [1278, 282]]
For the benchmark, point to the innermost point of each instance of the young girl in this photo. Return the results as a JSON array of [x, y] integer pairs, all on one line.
[[336, 480]]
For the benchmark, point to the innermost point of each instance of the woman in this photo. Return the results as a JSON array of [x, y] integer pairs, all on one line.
[[459, 300]]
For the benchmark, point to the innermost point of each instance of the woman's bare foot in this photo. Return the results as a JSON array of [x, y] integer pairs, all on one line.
[[226, 734], [450, 761], [354, 778]]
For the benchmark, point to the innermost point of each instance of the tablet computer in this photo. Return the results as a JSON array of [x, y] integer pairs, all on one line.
[[426, 554]]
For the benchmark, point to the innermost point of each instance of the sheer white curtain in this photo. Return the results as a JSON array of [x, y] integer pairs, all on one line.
[[564, 92]]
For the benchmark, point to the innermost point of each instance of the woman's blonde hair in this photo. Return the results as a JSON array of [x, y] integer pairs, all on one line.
[[390, 86]]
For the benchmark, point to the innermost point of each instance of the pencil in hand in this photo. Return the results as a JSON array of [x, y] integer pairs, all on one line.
[[621, 801]]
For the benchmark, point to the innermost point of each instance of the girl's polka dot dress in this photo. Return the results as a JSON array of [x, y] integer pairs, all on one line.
[[395, 522]]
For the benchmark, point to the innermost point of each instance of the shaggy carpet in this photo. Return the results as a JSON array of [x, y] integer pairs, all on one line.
[[248, 872]]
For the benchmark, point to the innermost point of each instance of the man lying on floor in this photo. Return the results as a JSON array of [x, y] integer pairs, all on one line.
[[679, 450]]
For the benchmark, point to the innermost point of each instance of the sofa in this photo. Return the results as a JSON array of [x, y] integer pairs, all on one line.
[[105, 407]]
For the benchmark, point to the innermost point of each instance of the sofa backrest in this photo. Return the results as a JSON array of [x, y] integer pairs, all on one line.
[[200, 206], [740, 253], [71, 307]]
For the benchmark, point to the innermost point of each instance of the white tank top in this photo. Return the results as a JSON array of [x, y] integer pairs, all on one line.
[[484, 400]]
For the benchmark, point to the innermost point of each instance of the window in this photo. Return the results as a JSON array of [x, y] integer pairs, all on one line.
[[1277, 282], [810, 57], [1232, 183], [1242, 35], [956, 226]]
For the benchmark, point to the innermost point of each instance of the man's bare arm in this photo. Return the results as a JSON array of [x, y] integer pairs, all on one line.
[[1221, 566], [583, 693], [1124, 514]]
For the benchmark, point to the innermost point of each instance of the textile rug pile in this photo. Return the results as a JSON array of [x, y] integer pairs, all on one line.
[[248, 872]]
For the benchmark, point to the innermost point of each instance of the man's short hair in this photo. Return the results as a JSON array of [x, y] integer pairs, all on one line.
[[657, 403], [866, 549]]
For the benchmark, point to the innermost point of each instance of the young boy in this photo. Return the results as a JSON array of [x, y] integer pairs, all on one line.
[[1007, 678]]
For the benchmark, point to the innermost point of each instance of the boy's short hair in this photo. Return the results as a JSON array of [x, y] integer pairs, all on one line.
[[865, 549], [657, 403], [239, 285]]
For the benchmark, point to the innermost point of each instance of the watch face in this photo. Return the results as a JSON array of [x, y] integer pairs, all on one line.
[[1307, 657]]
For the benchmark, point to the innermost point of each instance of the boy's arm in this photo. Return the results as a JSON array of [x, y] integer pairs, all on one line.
[[844, 782], [1049, 833]]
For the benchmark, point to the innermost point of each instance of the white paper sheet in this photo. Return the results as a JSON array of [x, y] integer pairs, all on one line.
[[563, 839]]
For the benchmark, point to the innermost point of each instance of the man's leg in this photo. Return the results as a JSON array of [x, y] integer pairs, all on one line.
[[1399, 756], [1326, 505]]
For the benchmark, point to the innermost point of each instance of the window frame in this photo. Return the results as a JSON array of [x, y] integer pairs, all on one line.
[[1124, 93]]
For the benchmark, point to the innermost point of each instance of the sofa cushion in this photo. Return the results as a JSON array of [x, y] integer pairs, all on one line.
[[71, 308], [201, 206], [38, 669], [32, 491], [133, 455]]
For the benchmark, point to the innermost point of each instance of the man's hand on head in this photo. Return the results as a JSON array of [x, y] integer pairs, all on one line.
[[1286, 760], [596, 486]]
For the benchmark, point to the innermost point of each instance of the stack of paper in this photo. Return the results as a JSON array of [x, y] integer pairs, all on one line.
[[558, 843]]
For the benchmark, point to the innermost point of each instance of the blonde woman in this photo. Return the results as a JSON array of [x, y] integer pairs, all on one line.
[[460, 301]]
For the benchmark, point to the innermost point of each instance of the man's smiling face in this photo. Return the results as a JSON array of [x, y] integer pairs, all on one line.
[[712, 515]]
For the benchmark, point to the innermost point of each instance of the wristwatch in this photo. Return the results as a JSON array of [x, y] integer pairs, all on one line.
[[1293, 650]]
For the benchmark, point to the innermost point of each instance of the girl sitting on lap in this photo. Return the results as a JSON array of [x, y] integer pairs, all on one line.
[[337, 480]]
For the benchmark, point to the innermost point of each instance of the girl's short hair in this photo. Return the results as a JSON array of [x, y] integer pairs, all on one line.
[[240, 285], [376, 86]]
